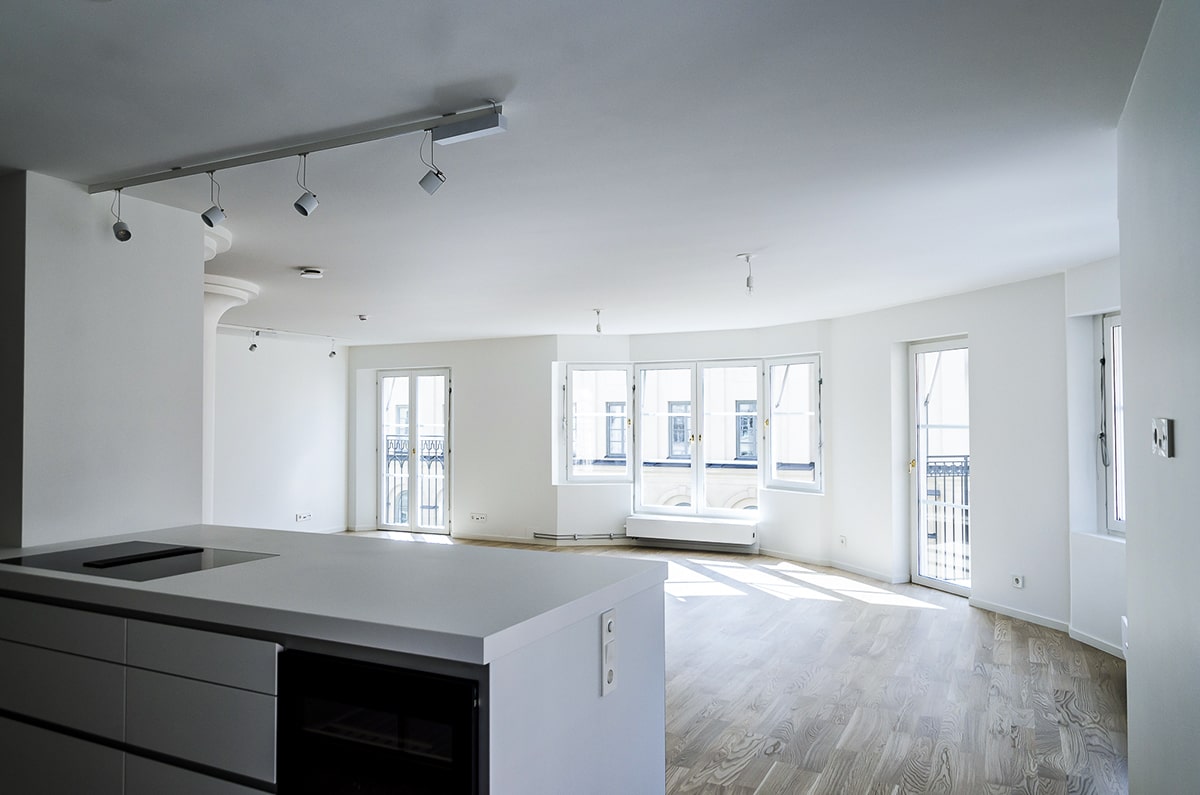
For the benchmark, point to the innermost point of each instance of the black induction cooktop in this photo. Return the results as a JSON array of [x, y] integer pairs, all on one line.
[[135, 560]]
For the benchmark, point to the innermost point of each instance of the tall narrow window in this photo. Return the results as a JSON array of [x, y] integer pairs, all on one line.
[[1112, 425], [597, 396], [793, 420]]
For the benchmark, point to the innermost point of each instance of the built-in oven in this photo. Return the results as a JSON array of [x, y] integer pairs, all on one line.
[[347, 726]]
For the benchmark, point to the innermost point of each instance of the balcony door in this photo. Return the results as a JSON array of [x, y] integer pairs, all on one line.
[[414, 420], [941, 466]]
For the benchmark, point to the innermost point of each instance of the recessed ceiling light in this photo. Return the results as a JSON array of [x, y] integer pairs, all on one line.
[[311, 273]]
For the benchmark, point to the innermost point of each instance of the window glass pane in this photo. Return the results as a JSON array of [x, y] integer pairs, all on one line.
[[666, 438], [394, 482], [430, 459], [793, 423], [1115, 399], [728, 444], [599, 425]]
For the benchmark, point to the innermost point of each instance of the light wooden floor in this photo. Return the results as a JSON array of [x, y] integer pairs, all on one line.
[[786, 678]]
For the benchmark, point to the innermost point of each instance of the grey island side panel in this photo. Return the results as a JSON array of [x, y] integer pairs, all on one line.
[[470, 604]]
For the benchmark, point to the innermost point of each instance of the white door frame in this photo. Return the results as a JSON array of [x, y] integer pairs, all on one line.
[[916, 465]]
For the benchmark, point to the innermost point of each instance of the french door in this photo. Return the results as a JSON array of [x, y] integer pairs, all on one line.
[[941, 466], [414, 421]]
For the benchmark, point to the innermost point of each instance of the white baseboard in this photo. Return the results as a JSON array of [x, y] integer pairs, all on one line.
[[835, 564], [1091, 640], [501, 539], [1032, 618]]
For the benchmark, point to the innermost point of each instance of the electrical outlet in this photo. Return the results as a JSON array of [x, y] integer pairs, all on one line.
[[842, 541], [1018, 581], [303, 517], [479, 517]]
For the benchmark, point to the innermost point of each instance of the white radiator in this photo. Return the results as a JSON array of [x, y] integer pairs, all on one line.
[[681, 528]]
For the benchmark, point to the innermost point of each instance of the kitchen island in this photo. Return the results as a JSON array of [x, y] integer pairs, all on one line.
[[556, 708]]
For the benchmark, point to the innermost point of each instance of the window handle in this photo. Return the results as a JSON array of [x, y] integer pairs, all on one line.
[[912, 466], [692, 438]]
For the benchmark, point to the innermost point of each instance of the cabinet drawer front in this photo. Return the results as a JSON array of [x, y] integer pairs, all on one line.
[[209, 656], [78, 692], [41, 761], [223, 727], [63, 629], [147, 777]]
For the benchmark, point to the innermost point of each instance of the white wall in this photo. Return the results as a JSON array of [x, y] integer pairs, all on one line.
[[113, 354], [280, 433], [500, 434], [506, 399], [1018, 441], [1159, 201]]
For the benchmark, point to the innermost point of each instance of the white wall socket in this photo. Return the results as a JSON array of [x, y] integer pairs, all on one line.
[[608, 652], [303, 517], [1018, 580], [842, 540], [479, 517]]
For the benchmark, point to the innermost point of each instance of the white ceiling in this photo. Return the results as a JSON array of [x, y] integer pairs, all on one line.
[[868, 152]]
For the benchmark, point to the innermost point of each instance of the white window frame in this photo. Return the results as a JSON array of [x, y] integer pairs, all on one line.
[[568, 414], [696, 446], [1111, 441], [766, 451]]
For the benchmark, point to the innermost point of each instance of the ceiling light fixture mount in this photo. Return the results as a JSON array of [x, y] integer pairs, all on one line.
[[469, 129], [307, 204], [749, 273]]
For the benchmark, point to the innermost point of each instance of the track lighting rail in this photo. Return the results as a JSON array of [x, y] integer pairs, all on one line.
[[379, 134]]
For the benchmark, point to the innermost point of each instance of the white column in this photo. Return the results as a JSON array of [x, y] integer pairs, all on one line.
[[221, 293]]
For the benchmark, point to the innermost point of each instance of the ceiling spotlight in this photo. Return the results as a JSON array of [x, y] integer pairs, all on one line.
[[307, 203], [434, 178], [332, 352], [597, 311], [749, 273], [214, 216], [254, 342], [311, 273], [363, 317], [121, 229]]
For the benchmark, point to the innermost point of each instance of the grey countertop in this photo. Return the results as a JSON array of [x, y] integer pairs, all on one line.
[[470, 604]]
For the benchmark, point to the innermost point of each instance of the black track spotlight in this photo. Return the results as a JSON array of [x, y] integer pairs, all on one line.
[[307, 204], [332, 352], [214, 216], [121, 230], [254, 342]]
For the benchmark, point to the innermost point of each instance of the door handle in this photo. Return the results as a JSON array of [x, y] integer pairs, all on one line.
[[912, 466]]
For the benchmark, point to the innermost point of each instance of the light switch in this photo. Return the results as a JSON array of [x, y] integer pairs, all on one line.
[[1163, 437], [608, 652]]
